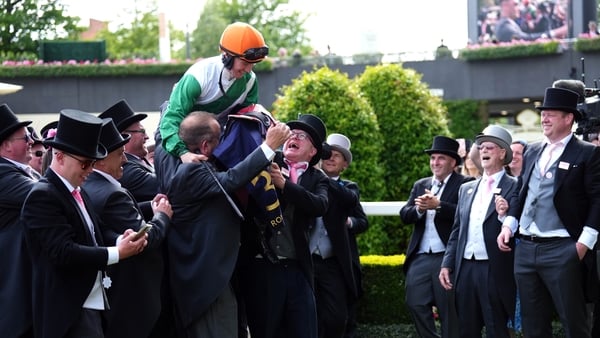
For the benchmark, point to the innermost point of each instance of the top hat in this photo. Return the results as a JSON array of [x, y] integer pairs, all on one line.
[[122, 115], [342, 144], [499, 136], [561, 99], [9, 123], [315, 127], [78, 133], [445, 145], [34, 135], [110, 137]]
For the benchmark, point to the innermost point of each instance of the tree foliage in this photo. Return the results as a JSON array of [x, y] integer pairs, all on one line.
[[333, 97], [140, 40], [280, 27], [409, 117], [24, 23]]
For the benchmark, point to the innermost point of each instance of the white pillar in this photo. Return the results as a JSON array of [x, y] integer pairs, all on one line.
[[164, 40]]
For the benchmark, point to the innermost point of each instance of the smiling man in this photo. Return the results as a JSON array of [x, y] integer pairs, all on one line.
[[481, 274], [431, 208]]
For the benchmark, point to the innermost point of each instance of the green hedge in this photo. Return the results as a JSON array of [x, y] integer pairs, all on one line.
[[507, 51]]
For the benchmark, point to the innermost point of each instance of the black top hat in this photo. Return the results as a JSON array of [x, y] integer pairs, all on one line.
[[122, 115], [9, 123], [315, 127], [561, 99], [78, 133], [110, 137], [445, 145], [34, 135]]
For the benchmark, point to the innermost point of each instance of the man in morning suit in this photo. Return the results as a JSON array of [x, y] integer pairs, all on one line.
[[337, 279], [15, 184], [118, 211], [431, 207], [276, 272], [558, 222], [204, 241], [481, 274], [64, 239], [139, 177]]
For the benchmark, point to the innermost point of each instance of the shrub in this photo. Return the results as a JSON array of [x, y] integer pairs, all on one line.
[[330, 95], [508, 50], [409, 116]]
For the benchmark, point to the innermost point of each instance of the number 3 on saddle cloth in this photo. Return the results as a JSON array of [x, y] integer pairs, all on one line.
[[244, 132]]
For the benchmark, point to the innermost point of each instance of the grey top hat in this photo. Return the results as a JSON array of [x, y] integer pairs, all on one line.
[[497, 135], [78, 133], [315, 127], [445, 145], [342, 144], [9, 123], [122, 114]]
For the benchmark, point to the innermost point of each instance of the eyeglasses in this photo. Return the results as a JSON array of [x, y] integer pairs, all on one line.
[[141, 131], [25, 138], [300, 135], [488, 148], [84, 163], [255, 54], [39, 153]]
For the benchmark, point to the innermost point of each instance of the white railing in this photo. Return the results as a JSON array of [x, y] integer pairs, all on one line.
[[391, 208]]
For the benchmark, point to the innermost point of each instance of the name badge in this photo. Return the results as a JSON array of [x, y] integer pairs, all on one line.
[[563, 165]]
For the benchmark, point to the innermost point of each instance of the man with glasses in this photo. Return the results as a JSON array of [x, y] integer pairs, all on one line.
[[473, 266], [64, 238], [15, 184], [37, 153], [138, 174]]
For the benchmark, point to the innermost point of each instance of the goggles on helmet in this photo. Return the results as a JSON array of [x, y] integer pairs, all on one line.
[[255, 54], [251, 55]]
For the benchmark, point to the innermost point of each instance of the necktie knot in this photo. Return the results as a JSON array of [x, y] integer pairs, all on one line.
[[546, 161], [489, 185], [294, 167], [77, 195]]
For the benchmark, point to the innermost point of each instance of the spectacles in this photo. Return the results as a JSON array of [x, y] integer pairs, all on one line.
[[255, 54], [84, 163], [39, 153], [25, 138], [141, 131], [300, 135], [488, 148]]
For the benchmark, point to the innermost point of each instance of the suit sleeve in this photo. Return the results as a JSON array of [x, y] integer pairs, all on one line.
[[408, 213], [53, 229]]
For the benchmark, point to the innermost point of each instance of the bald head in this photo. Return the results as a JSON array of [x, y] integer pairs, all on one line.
[[197, 128]]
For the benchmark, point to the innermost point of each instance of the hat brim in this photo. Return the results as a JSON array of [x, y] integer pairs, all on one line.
[[347, 154], [452, 154], [126, 138], [100, 154], [129, 121], [314, 136], [498, 141], [11, 129], [576, 112]]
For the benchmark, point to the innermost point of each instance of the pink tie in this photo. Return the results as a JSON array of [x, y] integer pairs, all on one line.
[[488, 187], [77, 195], [294, 170], [548, 160]]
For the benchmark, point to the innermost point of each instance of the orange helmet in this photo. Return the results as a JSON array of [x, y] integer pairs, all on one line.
[[244, 41]]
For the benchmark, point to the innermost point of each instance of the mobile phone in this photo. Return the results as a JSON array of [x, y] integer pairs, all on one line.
[[144, 229]]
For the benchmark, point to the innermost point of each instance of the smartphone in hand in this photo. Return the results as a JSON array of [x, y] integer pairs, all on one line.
[[144, 229]]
